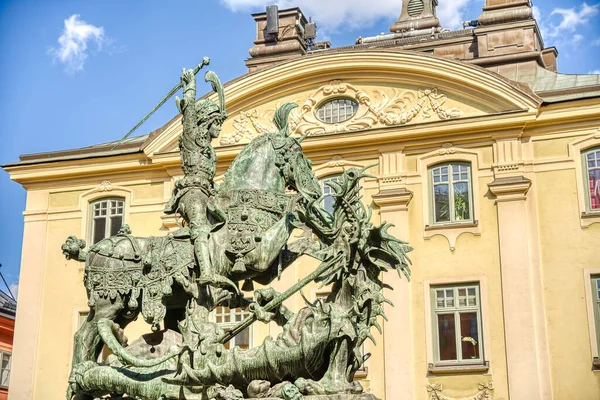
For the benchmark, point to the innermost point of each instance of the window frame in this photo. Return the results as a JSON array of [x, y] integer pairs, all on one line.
[[108, 226], [232, 322], [2, 354], [325, 102], [586, 172], [456, 311], [595, 303], [322, 181], [450, 182]]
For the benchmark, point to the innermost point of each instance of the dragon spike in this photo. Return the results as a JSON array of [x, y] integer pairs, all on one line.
[[382, 313], [388, 302], [378, 327], [282, 116], [372, 339]]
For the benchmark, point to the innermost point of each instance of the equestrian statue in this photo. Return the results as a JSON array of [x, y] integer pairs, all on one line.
[[234, 235]]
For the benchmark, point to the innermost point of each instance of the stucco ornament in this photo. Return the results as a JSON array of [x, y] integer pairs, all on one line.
[[390, 107], [484, 392], [238, 232]]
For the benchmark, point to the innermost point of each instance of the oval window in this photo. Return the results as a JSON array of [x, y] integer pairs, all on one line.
[[337, 110]]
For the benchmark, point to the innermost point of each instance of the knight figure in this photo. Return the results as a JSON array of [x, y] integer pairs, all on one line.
[[193, 194]]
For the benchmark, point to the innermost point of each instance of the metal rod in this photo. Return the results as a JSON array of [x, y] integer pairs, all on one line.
[[205, 61], [8, 287], [276, 302]]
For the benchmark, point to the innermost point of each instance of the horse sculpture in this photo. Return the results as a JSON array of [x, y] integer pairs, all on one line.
[[126, 275]]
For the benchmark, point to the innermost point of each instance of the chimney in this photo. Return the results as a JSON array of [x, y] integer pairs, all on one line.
[[279, 37], [417, 15], [503, 11]]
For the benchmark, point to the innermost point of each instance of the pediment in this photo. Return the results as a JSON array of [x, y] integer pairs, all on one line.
[[391, 89]]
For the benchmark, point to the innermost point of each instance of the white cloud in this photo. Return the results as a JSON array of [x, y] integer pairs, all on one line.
[[335, 15], [596, 42], [595, 72], [572, 19], [74, 43], [537, 14], [452, 13], [14, 288]]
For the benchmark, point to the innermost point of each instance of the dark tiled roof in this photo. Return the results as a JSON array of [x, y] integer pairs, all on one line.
[[8, 306]]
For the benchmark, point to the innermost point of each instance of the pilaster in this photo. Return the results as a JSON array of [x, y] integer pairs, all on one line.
[[397, 332], [525, 333], [27, 324]]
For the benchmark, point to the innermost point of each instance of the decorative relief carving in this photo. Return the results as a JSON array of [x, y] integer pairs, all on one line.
[[483, 393], [379, 109], [105, 186], [447, 148]]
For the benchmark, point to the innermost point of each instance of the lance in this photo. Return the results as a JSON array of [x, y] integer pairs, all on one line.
[[205, 61], [277, 301]]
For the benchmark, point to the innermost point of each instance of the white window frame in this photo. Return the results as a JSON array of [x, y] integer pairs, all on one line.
[[2, 354], [109, 213], [451, 195], [589, 275], [333, 106], [327, 190], [232, 322], [456, 310], [586, 172]]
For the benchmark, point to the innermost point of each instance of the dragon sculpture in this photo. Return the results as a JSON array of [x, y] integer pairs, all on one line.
[[268, 191]]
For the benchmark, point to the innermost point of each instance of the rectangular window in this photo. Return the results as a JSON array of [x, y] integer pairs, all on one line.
[[5, 369], [451, 190], [227, 318], [596, 305], [328, 200], [457, 324], [591, 160], [107, 218]]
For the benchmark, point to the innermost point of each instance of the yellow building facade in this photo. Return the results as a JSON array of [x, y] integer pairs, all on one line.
[[489, 179]]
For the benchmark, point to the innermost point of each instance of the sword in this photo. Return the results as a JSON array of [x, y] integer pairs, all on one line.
[[205, 61], [276, 302]]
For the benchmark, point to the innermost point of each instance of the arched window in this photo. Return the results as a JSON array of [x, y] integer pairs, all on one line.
[[591, 168], [107, 218], [451, 191], [328, 200]]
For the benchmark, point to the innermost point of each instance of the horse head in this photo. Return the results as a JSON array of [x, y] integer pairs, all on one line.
[[274, 162]]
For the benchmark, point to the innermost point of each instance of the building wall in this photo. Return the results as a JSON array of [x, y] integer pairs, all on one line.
[[529, 250]]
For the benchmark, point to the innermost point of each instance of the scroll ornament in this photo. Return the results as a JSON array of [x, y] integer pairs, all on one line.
[[380, 109]]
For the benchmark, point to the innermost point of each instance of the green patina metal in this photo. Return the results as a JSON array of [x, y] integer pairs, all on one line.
[[238, 232]]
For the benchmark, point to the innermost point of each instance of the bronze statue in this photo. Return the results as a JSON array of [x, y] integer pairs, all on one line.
[[237, 232]]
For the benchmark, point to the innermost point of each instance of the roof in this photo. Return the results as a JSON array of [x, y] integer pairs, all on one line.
[[128, 146], [554, 87], [8, 306]]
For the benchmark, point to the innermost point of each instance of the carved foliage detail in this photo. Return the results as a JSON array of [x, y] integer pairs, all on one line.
[[483, 393], [380, 109]]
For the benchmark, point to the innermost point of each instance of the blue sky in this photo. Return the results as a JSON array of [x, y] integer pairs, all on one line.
[[77, 73]]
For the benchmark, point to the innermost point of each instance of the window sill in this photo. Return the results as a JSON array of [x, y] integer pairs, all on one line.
[[452, 231], [455, 225], [589, 218], [458, 368]]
